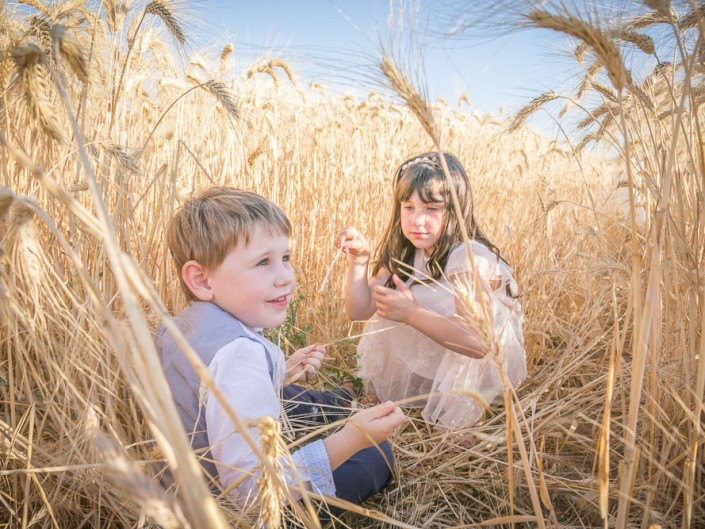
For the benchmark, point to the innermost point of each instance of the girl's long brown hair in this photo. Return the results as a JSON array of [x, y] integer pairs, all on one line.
[[420, 173]]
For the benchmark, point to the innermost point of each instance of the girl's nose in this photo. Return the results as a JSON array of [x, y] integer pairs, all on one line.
[[420, 219]]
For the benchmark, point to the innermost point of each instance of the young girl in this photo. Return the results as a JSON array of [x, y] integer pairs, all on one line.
[[425, 336]]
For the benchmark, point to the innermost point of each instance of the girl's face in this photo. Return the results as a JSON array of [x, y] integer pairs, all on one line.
[[422, 222]]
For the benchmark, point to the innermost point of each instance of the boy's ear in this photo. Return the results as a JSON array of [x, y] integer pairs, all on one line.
[[196, 279]]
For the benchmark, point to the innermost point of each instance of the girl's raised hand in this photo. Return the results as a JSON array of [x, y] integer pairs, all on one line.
[[305, 362], [394, 304], [353, 243]]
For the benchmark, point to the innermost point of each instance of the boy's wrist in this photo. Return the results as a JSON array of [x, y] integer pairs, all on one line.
[[343, 444], [354, 438]]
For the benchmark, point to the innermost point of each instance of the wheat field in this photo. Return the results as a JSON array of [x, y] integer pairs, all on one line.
[[104, 131]]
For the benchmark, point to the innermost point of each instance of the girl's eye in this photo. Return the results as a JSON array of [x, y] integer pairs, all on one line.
[[286, 258], [263, 262]]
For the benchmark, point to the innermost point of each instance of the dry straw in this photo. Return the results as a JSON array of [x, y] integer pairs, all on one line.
[[119, 469]]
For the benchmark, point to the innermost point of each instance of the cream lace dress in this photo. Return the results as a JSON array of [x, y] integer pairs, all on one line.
[[397, 362]]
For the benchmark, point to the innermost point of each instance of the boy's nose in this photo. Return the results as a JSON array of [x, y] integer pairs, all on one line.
[[285, 276]]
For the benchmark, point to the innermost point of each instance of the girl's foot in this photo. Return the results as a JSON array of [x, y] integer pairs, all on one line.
[[348, 392], [373, 399], [357, 392]]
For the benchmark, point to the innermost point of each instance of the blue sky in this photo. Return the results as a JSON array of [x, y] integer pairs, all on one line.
[[335, 43]]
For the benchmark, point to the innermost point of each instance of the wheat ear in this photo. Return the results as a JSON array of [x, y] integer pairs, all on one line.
[[70, 51], [605, 50], [532, 107], [34, 82], [330, 268], [270, 496], [402, 86], [163, 10]]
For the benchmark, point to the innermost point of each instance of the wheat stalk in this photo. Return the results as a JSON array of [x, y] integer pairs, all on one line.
[[403, 87], [35, 85], [690, 20], [587, 80], [163, 10], [115, 13], [594, 115], [124, 473], [324, 283], [663, 7], [605, 50], [224, 96], [264, 68], [252, 157], [225, 54], [643, 42], [529, 109], [59, 361], [604, 91], [278, 63], [70, 51], [7, 197]]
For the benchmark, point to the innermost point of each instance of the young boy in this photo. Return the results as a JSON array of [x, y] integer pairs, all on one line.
[[231, 250]]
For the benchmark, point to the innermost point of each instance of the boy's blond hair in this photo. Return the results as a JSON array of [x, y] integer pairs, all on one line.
[[206, 227]]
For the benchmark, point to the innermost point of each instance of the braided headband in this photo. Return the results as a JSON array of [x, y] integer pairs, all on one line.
[[415, 161]]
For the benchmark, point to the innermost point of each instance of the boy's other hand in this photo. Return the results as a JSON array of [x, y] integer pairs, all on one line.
[[364, 429], [305, 362], [376, 424]]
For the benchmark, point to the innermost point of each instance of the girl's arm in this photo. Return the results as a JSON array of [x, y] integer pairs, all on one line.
[[452, 332], [359, 299]]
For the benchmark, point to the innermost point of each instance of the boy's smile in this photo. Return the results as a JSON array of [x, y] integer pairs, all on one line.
[[254, 283]]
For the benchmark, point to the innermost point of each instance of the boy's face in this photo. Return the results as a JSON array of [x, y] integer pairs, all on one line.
[[255, 283]]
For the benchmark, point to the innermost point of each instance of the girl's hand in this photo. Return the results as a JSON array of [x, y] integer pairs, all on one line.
[[394, 304], [371, 426], [305, 362], [353, 243]]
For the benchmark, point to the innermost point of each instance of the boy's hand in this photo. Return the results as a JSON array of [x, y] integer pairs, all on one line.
[[364, 429], [394, 304], [374, 425], [305, 362], [353, 243]]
